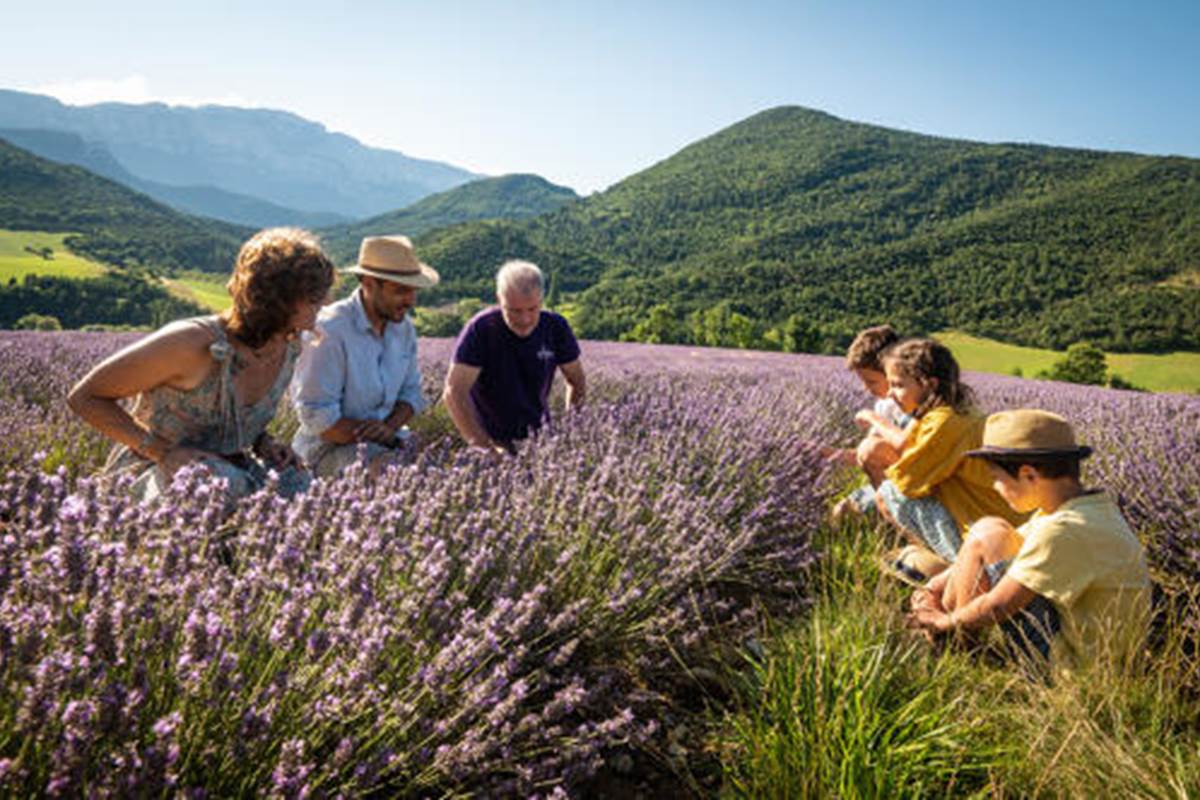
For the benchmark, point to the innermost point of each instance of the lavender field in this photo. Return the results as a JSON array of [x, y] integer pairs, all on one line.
[[543, 626]]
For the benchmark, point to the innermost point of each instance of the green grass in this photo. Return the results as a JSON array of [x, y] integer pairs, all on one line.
[[17, 262], [849, 703], [1170, 372], [206, 290]]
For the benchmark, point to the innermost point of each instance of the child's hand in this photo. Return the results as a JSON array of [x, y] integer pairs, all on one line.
[[931, 619], [884, 511], [841, 510], [837, 455], [925, 598], [865, 419]]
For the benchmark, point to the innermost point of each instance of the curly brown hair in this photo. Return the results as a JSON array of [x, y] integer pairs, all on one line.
[[929, 359], [275, 269], [868, 345]]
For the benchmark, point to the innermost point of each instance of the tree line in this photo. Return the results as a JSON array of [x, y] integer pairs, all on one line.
[[113, 299]]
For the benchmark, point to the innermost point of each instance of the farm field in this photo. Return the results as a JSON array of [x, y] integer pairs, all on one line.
[[1169, 372], [648, 601], [206, 290], [16, 262]]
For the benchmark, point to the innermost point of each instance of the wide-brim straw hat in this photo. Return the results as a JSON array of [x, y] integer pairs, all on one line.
[[391, 258], [1029, 432]]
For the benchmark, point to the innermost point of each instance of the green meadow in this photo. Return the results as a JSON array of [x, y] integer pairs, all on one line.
[[201, 288], [17, 262], [1168, 372]]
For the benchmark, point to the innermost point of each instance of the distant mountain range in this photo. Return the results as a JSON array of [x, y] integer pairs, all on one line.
[[205, 201], [508, 197], [114, 224], [244, 165], [795, 217]]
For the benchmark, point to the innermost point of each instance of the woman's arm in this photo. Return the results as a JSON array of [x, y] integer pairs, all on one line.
[[175, 356]]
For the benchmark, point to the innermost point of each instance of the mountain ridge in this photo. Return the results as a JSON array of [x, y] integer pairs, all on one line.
[[205, 201], [794, 213], [510, 197], [277, 156], [111, 222]]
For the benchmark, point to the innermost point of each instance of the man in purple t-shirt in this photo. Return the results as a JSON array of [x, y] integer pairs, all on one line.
[[504, 363]]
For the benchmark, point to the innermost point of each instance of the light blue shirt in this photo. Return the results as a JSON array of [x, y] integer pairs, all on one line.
[[348, 370]]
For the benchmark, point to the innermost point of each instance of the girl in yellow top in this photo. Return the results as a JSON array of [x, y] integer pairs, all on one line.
[[934, 492]]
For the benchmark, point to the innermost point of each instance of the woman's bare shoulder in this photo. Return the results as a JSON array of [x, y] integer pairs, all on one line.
[[183, 343], [186, 332]]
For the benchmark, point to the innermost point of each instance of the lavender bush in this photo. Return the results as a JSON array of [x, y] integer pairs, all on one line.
[[36, 370], [459, 625]]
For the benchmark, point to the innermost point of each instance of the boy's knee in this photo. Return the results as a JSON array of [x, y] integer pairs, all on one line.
[[993, 539], [972, 547]]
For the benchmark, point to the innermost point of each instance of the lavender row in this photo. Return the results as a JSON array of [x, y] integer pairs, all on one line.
[[461, 625], [1146, 444]]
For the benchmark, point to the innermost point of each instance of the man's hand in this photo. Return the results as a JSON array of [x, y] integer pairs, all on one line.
[[353, 431], [277, 455], [178, 457], [379, 431], [495, 452]]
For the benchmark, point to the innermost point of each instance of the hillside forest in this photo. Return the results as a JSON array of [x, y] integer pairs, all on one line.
[[789, 230]]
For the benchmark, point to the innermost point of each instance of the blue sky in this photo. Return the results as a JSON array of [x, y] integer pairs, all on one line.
[[588, 93]]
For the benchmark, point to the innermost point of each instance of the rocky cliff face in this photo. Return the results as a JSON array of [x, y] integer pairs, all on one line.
[[271, 155]]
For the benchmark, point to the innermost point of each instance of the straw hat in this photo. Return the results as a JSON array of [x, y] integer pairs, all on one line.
[[391, 258], [1029, 432]]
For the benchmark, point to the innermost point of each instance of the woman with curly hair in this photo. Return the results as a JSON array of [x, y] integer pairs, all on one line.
[[204, 389]]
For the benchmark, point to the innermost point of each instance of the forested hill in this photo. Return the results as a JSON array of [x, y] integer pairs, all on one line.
[[115, 225], [796, 217], [509, 197]]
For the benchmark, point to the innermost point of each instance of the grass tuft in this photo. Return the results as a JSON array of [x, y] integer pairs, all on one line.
[[849, 703]]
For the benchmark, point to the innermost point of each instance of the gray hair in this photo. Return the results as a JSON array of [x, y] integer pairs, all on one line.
[[522, 277]]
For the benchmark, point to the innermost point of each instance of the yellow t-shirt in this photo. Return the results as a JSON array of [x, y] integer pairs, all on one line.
[[1091, 566], [934, 463]]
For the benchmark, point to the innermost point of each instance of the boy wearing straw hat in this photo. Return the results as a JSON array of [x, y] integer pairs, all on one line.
[[1071, 584], [357, 382]]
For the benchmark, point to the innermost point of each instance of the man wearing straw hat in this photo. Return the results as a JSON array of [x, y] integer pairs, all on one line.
[[357, 382]]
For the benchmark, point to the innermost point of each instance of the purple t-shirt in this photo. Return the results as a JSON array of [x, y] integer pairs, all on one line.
[[515, 373]]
